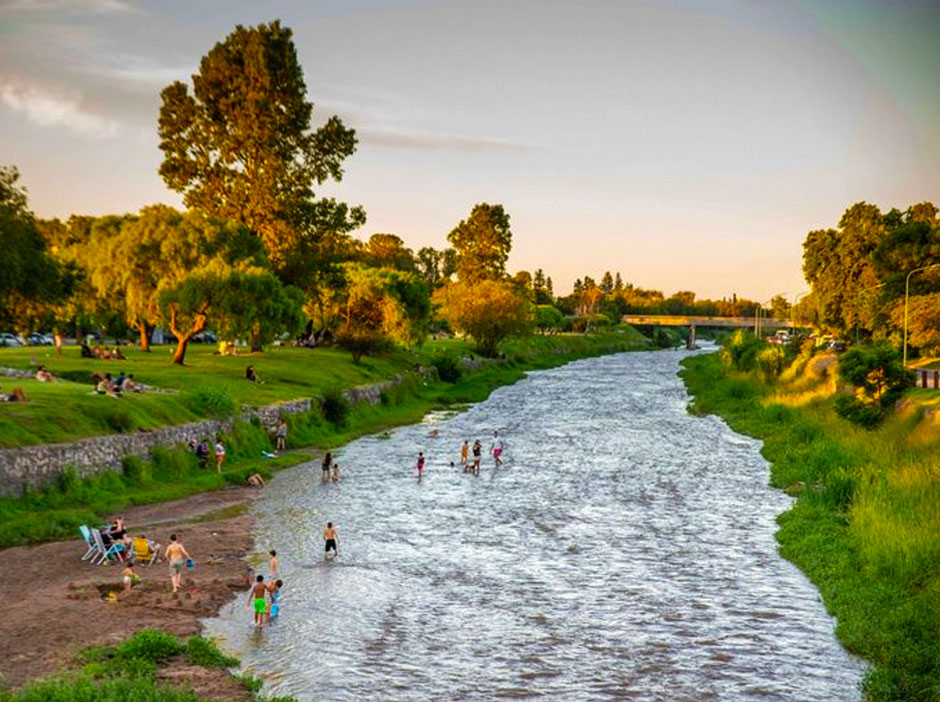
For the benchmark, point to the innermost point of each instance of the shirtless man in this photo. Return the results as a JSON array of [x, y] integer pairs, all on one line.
[[329, 536], [477, 454], [257, 598], [176, 556]]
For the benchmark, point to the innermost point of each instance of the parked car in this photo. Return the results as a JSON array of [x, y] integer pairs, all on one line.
[[837, 345], [8, 339], [37, 339]]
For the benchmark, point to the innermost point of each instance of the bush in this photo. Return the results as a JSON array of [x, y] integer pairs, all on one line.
[[740, 351], [878, 377], [865, 414], [136, 470], [770, 361], [211, 401], [150, 645], [448, 368], [363, 344], [336, 407], [120, 420], [202, 651]]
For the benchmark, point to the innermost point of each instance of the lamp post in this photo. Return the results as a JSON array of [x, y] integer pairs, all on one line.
[[907, 290]]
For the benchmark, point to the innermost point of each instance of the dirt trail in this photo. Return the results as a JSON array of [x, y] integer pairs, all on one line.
[[56, 604]]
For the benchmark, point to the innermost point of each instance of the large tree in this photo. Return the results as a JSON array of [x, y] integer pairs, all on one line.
[[240, 146], [487, 310], [27, 271], [482, 242]]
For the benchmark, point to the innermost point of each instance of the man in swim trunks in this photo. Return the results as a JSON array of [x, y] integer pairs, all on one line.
[[258, 600], [176, 556], [329, 535]]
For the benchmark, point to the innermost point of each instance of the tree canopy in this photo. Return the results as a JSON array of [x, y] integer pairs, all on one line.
[[482, 242]]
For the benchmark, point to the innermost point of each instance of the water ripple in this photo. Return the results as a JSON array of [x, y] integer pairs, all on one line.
[[625, 551]]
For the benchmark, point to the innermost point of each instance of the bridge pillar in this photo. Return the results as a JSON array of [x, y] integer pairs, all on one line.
[[690, 344]]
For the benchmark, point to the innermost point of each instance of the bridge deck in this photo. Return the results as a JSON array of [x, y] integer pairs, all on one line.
[[669, 320]]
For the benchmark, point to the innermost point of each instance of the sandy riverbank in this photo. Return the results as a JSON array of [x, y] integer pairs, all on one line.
[[56, 604]]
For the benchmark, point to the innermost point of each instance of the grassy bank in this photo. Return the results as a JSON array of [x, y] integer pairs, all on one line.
[[211, 384], [866, 524], [57, 511], [132, 671]]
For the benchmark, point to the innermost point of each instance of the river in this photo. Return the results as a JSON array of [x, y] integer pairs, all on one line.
[[624, 551]]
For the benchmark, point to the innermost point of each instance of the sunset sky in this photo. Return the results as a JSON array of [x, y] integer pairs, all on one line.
[[689, 145]]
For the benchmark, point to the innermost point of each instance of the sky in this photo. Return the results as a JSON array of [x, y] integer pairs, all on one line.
[[689, 145]]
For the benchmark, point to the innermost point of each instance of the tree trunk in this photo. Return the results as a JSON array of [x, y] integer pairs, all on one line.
[[143, 327], [182, 338], [256, 345], [180, 355]]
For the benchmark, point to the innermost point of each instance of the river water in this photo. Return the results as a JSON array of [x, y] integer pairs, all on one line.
[[624, 551]]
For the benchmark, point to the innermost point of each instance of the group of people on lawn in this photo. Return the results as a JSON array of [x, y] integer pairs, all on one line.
[[102, 353], [114, 387]]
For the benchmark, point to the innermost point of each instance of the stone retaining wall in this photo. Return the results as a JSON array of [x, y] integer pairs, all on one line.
[[33, 467]]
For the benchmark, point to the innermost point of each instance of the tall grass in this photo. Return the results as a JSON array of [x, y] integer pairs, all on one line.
[[866, 525]]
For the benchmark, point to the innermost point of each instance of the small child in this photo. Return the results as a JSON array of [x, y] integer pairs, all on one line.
[[129, 577], [335, 472], [274, 596], [272, 563]]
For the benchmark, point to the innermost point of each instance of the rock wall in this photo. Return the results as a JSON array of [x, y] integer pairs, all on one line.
[[33, 467]]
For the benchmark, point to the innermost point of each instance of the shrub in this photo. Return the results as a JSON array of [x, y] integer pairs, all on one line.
[[202, 651], [336, 407], [448, 367], [877, 377], [136, 470], [363, 344], [211, 401], [770, 361], [120, 420], [150, 645], [867, 415], [740, 351]]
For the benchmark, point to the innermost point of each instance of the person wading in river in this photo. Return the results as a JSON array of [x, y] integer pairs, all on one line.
[[257, 599], [329, 536], [420, 464], [477, 453], [465, 456], [326, 466]]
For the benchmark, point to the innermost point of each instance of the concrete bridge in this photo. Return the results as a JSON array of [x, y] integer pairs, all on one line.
[[693, 321]]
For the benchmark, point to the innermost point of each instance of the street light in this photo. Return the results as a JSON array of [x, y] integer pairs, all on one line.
[[907, 289]]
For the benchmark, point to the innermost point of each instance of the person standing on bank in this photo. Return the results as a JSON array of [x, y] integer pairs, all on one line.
[[282, 435]]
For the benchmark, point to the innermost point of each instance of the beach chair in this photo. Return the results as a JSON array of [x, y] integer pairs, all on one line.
[[89, 542], [106, 553], [143, 552]]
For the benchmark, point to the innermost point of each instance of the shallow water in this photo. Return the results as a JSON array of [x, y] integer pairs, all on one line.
[[624, 551]]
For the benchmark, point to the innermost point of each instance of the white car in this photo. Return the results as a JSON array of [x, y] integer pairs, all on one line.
[[7, 339]]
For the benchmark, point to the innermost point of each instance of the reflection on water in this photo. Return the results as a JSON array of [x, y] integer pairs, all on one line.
[[625, 551]]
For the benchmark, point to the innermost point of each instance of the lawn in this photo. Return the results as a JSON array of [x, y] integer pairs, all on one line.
[[211, 384]]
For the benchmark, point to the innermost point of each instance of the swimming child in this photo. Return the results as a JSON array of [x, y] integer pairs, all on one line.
[[329, 535], [256, 598]]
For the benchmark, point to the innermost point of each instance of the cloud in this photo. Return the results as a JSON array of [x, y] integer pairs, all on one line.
[[97, 7], [428, 141], [50, 110]]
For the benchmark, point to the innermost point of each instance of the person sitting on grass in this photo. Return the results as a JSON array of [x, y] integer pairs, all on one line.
[[16, 396], [120, 381], [44, 376], [117, 355], [131, 385], [86, 350], [255, 480], [251, 375]]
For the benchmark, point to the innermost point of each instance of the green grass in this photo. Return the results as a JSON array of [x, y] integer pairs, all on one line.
[[57, 511], [212, 385], [866, 524], [128, 672]]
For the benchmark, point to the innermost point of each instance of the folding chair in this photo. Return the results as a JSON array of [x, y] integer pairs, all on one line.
[[143, 552], [107, 552], [89, 542]]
